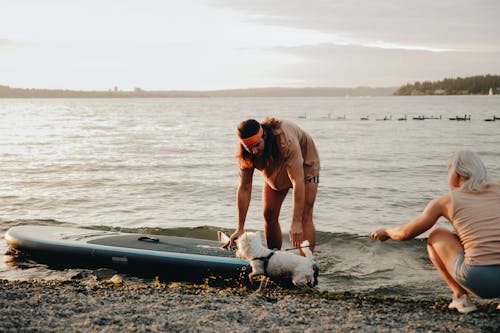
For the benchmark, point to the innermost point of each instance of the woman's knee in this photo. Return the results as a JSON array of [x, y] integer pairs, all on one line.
[[440, 234], [444, 244]]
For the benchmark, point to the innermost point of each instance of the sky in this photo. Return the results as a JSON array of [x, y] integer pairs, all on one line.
[[230, 44]]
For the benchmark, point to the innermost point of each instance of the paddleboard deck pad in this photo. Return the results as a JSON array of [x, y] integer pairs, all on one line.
[[168, 257]]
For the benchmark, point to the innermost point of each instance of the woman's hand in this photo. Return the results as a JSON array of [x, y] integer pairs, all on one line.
[[380, 235]]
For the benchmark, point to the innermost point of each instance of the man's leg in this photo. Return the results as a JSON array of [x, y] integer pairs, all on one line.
[[271, 207]]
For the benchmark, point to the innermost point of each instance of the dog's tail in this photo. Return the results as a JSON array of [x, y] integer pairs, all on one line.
[[307, 251]]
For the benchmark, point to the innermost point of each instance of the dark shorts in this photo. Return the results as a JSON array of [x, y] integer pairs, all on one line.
[[484, 281]]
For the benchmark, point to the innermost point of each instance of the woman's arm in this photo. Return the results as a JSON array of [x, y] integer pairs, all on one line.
[[432, 212]]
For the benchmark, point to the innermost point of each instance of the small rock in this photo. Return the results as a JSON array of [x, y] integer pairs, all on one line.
[[103, 273], [116, 279]]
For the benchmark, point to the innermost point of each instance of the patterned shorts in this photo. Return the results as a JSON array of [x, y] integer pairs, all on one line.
[[314, 179]]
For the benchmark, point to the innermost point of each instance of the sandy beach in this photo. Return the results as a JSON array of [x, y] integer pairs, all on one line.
[[89, 305]]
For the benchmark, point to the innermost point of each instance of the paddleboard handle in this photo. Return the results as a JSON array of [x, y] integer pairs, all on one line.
[[148, 239]]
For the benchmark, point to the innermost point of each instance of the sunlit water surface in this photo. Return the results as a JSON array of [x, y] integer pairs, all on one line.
[[164, 164]]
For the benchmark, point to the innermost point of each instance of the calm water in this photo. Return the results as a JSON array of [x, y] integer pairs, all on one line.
[[164, 164]]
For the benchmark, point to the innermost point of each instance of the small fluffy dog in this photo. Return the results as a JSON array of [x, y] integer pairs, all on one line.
[[274, 263]]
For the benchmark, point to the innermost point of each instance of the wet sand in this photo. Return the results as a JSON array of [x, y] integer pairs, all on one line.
[[87, 305]]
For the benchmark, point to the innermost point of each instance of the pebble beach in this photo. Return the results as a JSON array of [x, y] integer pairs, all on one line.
[[89, 305]]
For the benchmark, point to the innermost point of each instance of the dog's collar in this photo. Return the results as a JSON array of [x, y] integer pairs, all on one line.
[[265, 260]]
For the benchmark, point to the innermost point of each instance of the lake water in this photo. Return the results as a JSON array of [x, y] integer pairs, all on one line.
[[157, 165]]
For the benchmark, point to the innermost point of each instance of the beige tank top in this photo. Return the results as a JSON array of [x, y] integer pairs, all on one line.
[[476, 219]]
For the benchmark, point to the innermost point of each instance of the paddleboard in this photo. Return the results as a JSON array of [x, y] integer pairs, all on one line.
[[168, 257]]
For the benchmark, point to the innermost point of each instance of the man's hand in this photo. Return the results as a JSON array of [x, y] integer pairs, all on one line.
[[296, 234], [234, 236]]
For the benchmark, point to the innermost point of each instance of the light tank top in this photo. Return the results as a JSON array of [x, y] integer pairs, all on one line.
[[476, 219]]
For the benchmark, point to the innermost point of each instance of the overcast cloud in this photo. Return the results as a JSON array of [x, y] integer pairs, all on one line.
[[219, 44]]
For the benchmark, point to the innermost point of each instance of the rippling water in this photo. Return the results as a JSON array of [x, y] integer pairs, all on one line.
[[169, 163]]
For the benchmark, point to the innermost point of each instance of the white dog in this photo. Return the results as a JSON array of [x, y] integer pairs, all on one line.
[[274, 263]]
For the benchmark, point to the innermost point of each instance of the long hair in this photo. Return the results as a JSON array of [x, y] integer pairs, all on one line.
[[470, 166], [250, 127]]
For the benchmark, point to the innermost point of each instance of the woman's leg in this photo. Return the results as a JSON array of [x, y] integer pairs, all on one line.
[[443, 247], [307, 217], [271, 207]]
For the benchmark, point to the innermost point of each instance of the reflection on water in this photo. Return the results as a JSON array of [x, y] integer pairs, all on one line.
[[169, 163]]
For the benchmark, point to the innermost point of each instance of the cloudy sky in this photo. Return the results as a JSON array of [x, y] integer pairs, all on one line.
[[224, 44]]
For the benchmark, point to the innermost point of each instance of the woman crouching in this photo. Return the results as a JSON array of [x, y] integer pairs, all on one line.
[[469, 258]]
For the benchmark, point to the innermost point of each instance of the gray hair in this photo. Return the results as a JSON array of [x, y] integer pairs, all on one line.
[[470, 166]]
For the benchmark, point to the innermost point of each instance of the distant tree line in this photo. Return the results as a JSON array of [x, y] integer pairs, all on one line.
[[8, 92], [474, 85]]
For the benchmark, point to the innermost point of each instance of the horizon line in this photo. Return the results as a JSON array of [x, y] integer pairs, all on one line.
[[137, 88]]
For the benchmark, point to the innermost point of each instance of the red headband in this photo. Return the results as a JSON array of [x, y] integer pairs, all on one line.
[[250, 141]]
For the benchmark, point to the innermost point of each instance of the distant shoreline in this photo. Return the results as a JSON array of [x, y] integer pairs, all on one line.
[[8, 92], [474, 85]]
